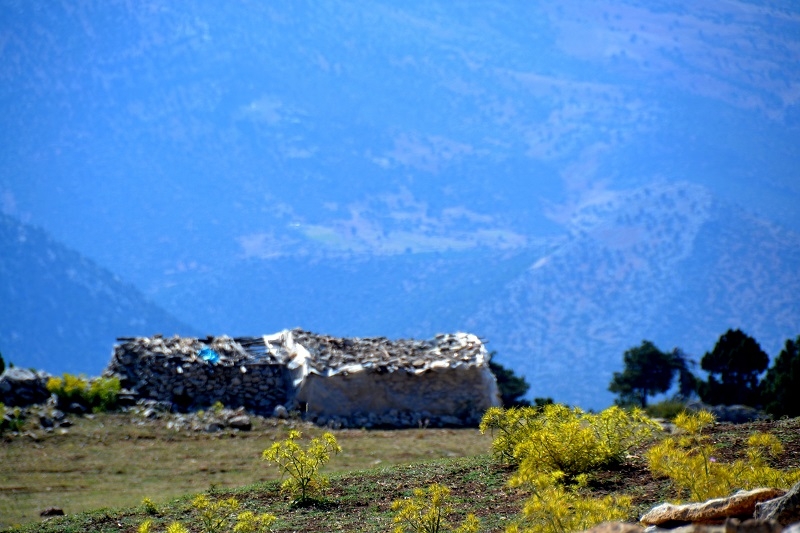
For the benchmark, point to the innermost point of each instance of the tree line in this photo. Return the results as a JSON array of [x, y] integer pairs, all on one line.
[[738, 374]]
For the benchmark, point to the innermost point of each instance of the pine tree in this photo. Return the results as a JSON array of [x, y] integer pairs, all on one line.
[[734, 366], [781, 385], [512, 387], [648, 371]]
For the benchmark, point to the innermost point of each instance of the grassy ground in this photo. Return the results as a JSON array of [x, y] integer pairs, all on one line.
[[357, 500], [115, 460]]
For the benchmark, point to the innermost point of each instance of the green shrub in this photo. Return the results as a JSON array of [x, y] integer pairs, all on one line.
[[426, 512], [215, 515], [99, 394], [554, 448], [557, 438], [68, 388], [11, 419], [103, 393], [218, 517], [508, 426], [668, 409], [688, 461], [302, 466], [557, 508], [149, 506]]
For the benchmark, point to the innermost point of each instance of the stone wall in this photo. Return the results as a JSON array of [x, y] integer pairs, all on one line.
[[355, 382], [170, 370], [20, 387]]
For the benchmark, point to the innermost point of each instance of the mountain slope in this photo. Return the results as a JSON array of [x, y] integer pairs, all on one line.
[[60, 311], [665, 263]]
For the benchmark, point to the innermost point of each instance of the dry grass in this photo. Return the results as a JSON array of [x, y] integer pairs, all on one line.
[[113, 461], [357, 499]]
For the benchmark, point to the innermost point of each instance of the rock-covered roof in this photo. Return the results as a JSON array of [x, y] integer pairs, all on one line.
[[187, 349], [321, 354], [329, 355]]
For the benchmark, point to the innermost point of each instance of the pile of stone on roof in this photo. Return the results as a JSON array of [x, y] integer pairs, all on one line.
[[331, 355], [187, 349]]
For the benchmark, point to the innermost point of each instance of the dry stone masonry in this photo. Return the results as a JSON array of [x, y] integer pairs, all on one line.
[[173, 370], [340, 382]]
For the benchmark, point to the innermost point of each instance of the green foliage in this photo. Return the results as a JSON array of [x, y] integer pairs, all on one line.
[[667, 409], [69, 388], [734, 366], [217, 407], [426, 512], [302, 466], [556, 508], [512, 387], [510, 426], [215, 515], [149, 506], [103, 394], [648, 371], [541, 402], [99, 394], [555, 447], [781, 385], [688, 461], [557, 438], [250, 522], [11, 419], [218, 517], [174, 527]]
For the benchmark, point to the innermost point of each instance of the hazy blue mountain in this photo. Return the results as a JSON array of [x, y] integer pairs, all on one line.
[[382, 169], [60, 311], [666, 263]]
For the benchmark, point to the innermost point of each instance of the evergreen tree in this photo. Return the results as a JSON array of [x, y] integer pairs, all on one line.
[[648, 371], [687, 381], [512, 387], [734, 366], [781, 385], [2, 363]]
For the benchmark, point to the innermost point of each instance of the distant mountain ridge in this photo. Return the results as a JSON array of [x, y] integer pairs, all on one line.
[[667, 263], [61, 312]]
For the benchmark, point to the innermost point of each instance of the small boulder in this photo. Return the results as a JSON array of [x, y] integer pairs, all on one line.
[[22, 387], [740, 505], [785, 509], [731, 525], [241, 422], [616, 527], [280, 412], [794, 528], [52, 511], [734, 414]]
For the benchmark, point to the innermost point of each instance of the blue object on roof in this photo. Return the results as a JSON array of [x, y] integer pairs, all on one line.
[[207, 354]]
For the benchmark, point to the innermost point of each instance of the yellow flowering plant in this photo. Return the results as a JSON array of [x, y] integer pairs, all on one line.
[[302, 466], [688, 461], [426, 512]]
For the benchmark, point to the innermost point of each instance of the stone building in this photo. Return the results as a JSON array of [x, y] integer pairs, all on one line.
[[348, 382]]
